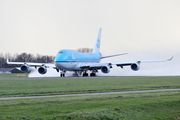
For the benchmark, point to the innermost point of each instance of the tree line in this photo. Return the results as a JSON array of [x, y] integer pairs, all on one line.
[[84, 50], [23, 57], [27, 57]]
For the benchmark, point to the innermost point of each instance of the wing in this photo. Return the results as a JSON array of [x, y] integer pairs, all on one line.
[[25, 66], [32, 64], [138, 62], [135, 65]]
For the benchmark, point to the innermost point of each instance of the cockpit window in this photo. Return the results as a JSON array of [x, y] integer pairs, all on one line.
[[61, 52]]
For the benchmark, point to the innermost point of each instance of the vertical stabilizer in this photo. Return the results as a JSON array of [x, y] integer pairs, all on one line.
[[97, 44]]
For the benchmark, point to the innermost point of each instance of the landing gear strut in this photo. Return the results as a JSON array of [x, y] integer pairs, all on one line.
[[94, 71], [62, 74]]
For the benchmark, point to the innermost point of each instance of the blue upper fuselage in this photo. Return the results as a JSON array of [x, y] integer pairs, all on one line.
[[73, 56]]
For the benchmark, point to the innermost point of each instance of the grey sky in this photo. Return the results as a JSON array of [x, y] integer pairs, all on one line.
[[143, 28]]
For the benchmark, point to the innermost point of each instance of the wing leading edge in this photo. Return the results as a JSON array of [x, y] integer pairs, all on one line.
[[121, 64], [32, 64], [147, 61]]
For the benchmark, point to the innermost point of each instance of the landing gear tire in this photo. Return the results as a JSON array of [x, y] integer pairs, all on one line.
[[62, 75], [85, 74], [93, 74]]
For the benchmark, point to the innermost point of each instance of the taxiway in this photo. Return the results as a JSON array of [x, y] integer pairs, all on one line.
[[84, 94]]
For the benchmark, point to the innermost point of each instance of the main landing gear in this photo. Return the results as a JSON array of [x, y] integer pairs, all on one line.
[[91, 74], [85, 74]]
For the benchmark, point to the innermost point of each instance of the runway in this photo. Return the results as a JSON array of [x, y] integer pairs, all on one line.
[[84, 94], [17, 78]]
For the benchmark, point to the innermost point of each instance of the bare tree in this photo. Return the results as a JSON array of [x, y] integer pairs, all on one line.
[[24, 57], [84, 50]]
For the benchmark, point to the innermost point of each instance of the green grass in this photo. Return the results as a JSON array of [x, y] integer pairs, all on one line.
[[156, 105], [31, 87], [8, 75], [138, 106]]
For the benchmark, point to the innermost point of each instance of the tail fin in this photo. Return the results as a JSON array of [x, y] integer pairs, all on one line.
[[97, 44]]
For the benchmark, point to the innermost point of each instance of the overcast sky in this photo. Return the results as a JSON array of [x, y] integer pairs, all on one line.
[[146, 29]]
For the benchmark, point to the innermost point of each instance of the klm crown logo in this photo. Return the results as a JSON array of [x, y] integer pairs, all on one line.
[[98, 43]]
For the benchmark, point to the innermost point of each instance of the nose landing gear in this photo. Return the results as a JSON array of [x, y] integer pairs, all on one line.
[[62, 74]]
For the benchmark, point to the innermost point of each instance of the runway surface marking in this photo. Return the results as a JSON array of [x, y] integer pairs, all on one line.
[[106, 93]]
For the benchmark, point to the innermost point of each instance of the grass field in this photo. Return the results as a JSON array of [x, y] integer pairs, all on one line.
[[156, 105], [138, 106], [31, 87]]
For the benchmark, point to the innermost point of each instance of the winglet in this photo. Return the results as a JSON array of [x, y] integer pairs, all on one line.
[[7, 61], [170, 58]]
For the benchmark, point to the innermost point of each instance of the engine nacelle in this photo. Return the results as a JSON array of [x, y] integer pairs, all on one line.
[[105, 69], [135, 66], [24, 68], [42, 70]]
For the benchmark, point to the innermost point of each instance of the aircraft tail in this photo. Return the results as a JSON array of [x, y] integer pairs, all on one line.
[[97, 44]]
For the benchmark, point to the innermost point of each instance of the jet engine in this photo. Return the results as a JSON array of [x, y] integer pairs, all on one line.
[[24, 68], [42, 70], [135, 66], [105, 69]]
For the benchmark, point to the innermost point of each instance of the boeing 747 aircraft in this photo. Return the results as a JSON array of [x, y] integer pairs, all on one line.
[[80, 63]]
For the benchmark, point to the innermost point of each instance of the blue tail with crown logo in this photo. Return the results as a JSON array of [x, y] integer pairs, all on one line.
[[97, 44]]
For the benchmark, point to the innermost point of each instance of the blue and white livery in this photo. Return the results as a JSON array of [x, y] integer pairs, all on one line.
[[80, 63]]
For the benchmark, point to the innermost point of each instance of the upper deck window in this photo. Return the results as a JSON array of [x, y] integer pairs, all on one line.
[[61, 52]]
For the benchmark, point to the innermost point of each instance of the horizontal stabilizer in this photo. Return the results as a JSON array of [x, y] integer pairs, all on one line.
[[113, 55]]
